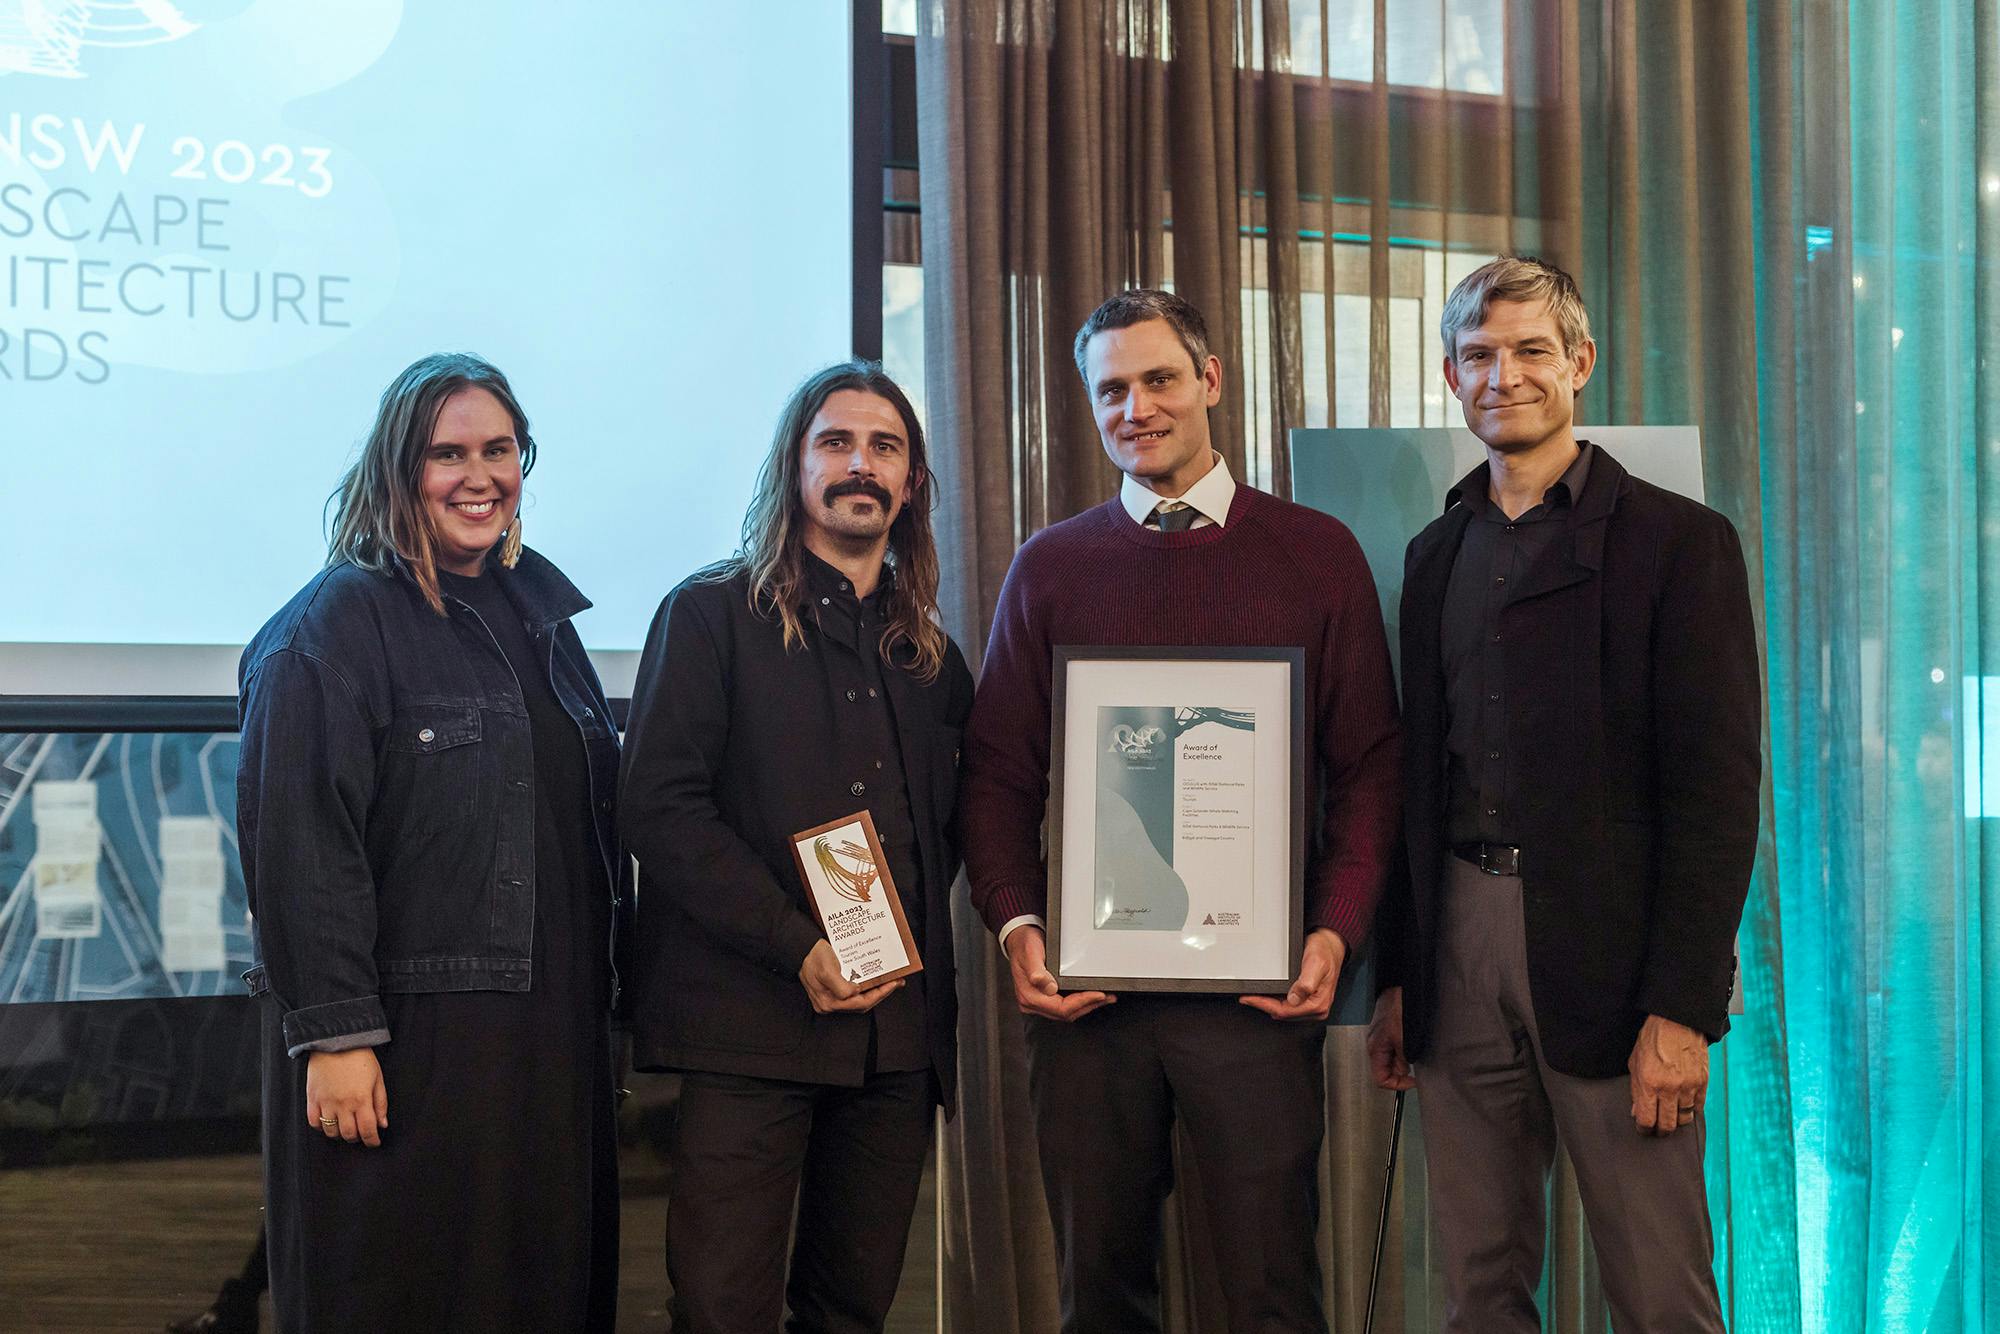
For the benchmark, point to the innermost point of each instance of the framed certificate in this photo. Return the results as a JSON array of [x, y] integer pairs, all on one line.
[[853, 896], [1177, 809]]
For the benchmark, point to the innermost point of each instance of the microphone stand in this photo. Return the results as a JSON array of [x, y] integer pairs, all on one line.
[[1382, 1221]]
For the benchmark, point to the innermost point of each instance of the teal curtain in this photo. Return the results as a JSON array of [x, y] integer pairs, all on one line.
[[1881, 459], [1785, 215], [1792, 220]]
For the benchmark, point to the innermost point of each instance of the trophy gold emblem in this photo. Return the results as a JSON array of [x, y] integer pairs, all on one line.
[[856, 881]]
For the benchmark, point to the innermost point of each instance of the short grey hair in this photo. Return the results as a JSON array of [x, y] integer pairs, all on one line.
[[1136, 307], [1515, 278]]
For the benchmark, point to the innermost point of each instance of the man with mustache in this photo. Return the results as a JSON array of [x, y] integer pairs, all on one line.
[[1580, 707], [1184, 556], [800, 682]]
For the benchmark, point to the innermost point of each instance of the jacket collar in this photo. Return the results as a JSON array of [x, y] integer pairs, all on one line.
[[1575, 556], [1474, 490], [542, 593]]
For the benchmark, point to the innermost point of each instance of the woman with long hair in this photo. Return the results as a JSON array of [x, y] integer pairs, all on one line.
[[425, 806]]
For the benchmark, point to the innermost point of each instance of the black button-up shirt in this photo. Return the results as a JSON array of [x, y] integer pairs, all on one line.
[[1483, 782], [869, 763]]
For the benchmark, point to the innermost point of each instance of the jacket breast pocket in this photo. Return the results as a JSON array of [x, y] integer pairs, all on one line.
[[434, 763], [433, 728]]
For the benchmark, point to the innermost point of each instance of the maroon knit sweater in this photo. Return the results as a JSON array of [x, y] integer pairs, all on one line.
[[1275, 574]]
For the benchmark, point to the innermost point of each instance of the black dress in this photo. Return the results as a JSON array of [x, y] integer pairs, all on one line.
[[493, 1201]]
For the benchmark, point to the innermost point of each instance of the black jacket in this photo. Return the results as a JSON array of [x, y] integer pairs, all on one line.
[[709, 802], [1631, 647], [386, 794]]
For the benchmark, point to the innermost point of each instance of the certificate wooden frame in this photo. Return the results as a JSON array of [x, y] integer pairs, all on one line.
[[1100, 941]]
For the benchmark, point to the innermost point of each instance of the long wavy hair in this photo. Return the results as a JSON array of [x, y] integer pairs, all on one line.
[[773, 550], [378, 512]]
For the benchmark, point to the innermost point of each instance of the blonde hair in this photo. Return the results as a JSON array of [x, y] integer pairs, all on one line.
[[378, 508], [1515, 278]]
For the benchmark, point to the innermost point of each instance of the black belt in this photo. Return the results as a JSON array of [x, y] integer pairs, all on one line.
[[1492, 858]]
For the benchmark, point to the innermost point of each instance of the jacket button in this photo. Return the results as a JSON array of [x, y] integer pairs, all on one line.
[[852, 696], [588, 714], [427, 736], [859, 789]]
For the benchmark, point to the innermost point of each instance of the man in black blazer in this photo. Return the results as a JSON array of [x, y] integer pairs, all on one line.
[[799, 683], [1582, 768]]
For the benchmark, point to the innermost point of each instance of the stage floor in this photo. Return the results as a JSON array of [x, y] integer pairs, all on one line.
[[129, 1246]]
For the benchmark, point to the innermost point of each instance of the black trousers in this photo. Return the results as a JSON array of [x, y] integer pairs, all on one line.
[[1248, 1090], [747, 1150]]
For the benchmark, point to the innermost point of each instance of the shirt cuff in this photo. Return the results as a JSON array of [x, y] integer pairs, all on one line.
[[374, 1037], [1013, 924], [357, 1021]]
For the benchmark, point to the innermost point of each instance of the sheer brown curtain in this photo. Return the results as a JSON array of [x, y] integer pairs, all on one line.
[[1314, 174]]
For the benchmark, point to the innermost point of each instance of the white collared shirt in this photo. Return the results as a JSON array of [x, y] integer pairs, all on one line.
[[1210, 497]]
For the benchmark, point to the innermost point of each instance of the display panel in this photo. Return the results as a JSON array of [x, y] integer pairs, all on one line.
[[226, 224], [119, 878]]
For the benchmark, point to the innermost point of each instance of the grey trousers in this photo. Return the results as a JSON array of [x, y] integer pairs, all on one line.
[[1492, 1114]]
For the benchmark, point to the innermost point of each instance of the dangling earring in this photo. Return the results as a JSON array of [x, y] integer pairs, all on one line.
[[510, 543]]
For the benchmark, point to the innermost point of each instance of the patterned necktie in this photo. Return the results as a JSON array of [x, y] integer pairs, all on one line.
[[1174, 516]]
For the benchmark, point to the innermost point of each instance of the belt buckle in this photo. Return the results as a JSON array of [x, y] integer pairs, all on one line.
[[1499, 859]]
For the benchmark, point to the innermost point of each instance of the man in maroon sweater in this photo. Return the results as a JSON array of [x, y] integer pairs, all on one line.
[[1184, 556]]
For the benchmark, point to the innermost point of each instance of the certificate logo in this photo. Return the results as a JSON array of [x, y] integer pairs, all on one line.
[[850, 868], [1136, 743]]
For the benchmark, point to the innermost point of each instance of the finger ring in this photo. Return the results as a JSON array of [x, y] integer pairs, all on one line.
[[329, 1121]]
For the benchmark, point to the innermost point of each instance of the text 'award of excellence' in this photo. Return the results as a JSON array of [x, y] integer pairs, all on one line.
[[1176, 818], [854, 897]]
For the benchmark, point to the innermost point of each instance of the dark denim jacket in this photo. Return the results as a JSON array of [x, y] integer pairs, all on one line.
[[386, 795]]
